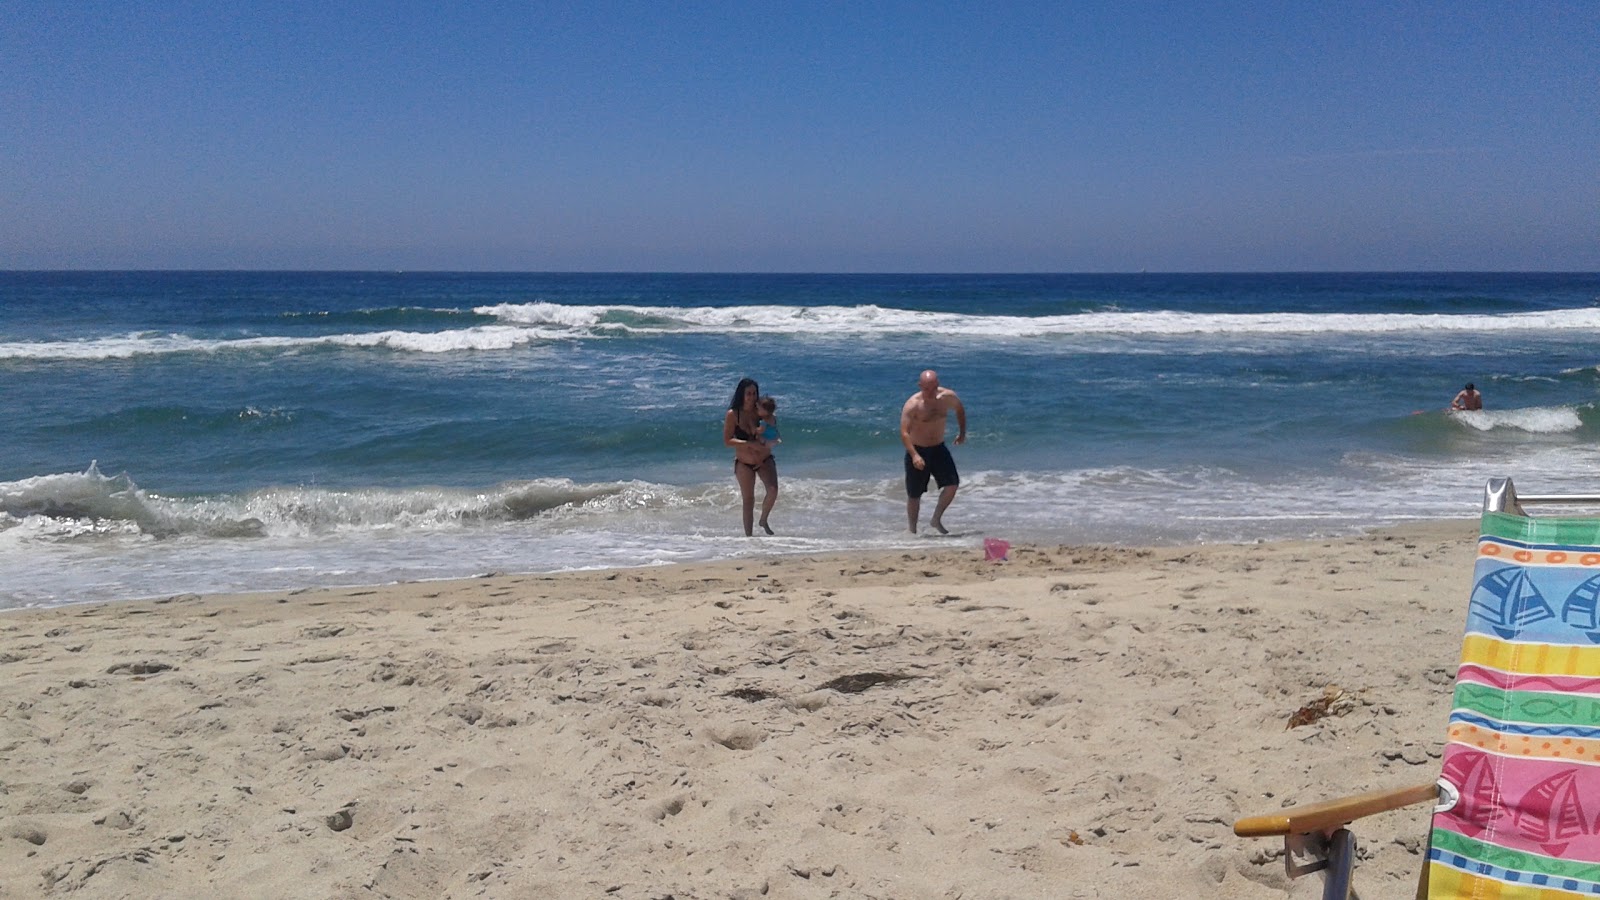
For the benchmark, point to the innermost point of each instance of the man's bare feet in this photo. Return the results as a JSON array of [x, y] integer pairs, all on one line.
[[940, 527], [767, 528]]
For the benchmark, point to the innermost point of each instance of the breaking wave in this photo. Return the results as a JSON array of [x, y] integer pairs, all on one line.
[[849, 320], [72, 505], [1533, 419], [509, 326]]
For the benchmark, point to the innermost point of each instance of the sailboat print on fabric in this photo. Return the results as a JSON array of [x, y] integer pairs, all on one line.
[[1508, 599], [1473, 777], [1582, 609], [1551, 813]]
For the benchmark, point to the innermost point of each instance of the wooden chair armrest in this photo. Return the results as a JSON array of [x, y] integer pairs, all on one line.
[[1333, 813]]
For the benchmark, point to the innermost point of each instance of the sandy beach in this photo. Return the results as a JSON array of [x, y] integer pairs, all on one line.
[[1072, 722]]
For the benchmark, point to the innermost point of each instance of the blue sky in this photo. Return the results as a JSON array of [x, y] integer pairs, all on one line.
[[809, 137]]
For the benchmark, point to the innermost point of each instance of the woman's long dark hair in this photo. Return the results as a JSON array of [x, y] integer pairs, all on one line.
[[738, 393]]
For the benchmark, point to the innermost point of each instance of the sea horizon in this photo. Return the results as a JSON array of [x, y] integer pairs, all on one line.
[[796, 272]]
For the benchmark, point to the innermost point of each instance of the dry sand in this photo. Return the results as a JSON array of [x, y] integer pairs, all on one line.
[[1075, 722]]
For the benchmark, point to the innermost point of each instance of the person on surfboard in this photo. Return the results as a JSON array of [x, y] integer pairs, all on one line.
[[1469, 398]]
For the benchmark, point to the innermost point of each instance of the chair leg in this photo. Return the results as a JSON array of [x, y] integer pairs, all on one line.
[[1341, 864], [1331, 853]]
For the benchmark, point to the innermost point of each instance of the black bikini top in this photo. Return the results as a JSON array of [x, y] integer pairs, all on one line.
[[739, 434]]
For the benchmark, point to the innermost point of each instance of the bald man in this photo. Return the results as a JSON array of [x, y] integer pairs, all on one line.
[[923, 422]]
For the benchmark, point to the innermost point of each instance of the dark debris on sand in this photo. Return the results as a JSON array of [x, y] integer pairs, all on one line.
[[855, 684]]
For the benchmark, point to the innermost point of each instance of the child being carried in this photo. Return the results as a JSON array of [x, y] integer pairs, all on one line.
[[768, 408]]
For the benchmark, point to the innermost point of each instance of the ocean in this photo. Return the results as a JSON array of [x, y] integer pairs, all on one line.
[[197, 432]]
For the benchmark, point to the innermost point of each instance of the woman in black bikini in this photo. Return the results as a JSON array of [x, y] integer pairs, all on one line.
[[752, 458]]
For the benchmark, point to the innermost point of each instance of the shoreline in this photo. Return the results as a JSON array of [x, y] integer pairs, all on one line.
[[1077, 721], [955, 543]]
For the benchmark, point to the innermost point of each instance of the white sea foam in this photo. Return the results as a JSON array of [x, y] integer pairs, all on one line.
[[522, 324], [87, 500], [1129, 501], [82, 536], [1533, 419], [75, 504], [869, 319], [482, 337]]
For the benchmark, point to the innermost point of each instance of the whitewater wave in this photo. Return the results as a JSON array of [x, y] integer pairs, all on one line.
[[517, 325], [74, 505], [484, 337], [95, 549], [1532, 419], [869, 319]]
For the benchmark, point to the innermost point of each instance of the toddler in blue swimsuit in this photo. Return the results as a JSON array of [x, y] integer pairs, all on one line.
[[768, 408]]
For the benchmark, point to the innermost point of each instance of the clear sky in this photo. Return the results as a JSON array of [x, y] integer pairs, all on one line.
[[849, 136]]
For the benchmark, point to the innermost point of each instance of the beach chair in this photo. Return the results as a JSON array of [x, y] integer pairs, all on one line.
[[1517, 803]]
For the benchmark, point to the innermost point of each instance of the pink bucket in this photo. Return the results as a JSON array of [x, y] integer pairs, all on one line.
[[995, 550]]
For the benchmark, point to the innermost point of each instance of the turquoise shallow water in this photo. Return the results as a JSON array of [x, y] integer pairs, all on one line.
[[174, 432]]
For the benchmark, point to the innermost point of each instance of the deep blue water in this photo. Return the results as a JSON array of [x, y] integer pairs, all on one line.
[[198, 431]]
